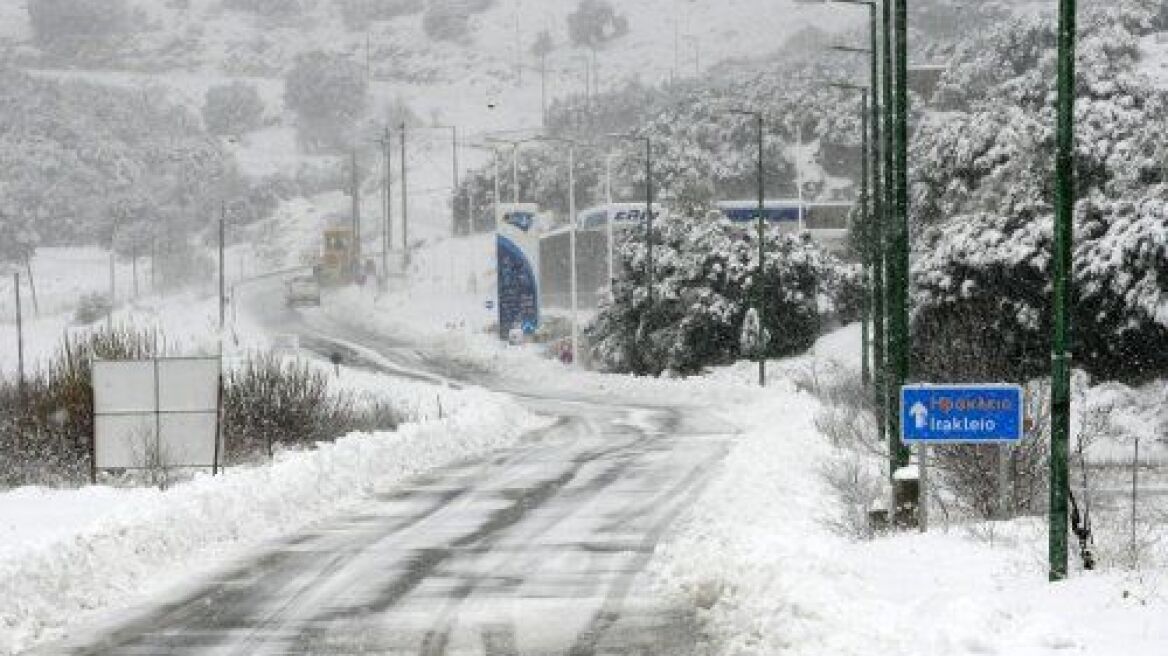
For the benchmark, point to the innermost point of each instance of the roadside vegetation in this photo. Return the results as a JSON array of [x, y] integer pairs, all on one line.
[[46, 426]]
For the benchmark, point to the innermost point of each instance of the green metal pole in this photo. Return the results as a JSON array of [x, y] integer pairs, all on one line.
[[867, 251], [897, 256], [1060, 397], [761, 260], [877, 233]]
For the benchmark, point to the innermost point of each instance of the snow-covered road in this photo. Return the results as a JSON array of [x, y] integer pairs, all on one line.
[[539, 549]]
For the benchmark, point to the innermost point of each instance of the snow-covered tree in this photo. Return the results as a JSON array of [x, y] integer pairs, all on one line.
[[233, 109], [982, 214], [705, 280], [594, 22]]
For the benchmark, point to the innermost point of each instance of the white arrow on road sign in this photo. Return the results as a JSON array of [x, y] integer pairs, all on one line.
[[921, 414]]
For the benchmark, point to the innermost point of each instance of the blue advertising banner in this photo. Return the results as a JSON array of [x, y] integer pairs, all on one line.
[[517, 253], [961, 414]]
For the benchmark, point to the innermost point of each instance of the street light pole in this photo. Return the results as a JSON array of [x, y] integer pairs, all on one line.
[[649, 215], [572, 259], [405, 207], [454, 179], [222, 267], [572, 223], [898, 453], [386, 143], [608, 215], [865, 230], [874, 238], [514, 143], [1060, 387], [19, 339], [760, 302]]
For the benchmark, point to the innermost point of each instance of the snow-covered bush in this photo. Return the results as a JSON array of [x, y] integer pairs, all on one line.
[[594, 22], [270, 402], [45, 436], [359, 13], [704, 280], [233, 109], [78, 157], [92, 308], [45, 433], [18, 237], [449, 20], [279, 9], [57, 21], [329, 93], [543, 45]]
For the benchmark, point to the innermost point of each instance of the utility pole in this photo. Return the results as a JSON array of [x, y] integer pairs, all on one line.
[[113, 289], [760, 302], [386, 143], [222, 266], [543, 90], [355, 191], [1060, 386], [454, 179], [36, 306], [134, 268], [405, 208], [572, 233], [19, 339]]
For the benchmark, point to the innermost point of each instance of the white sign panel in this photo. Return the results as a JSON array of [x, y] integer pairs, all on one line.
[[156, 413], [188, 385], [120, 387]]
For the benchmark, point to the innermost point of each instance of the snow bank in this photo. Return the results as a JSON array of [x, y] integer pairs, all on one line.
[[769, 577], [95, 548]]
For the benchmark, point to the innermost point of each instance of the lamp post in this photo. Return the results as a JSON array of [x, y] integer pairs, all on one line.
[[761, 300], [571, 144], [514, 143], [587, 86], [386, 143], [608, 214], [880, 185], [866, 223], [495, 167]]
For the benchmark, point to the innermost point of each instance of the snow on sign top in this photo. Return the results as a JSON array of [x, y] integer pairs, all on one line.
[[961, 414]]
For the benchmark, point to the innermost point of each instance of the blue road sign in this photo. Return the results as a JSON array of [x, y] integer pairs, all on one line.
[[961, 414]]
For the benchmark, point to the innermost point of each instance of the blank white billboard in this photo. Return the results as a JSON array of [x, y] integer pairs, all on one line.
[[156, 413]]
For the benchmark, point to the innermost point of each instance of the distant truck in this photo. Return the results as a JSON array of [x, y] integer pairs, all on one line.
[[338, 257], [302, 291]]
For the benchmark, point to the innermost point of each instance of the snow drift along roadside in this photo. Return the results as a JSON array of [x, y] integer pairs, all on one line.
[[769, 577], [136, 550]]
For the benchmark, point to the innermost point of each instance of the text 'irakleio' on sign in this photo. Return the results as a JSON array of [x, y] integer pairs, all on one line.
[[961, 414]]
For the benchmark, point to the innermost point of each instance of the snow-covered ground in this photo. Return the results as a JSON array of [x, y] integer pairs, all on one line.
[[757, 555], [65, 555]]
